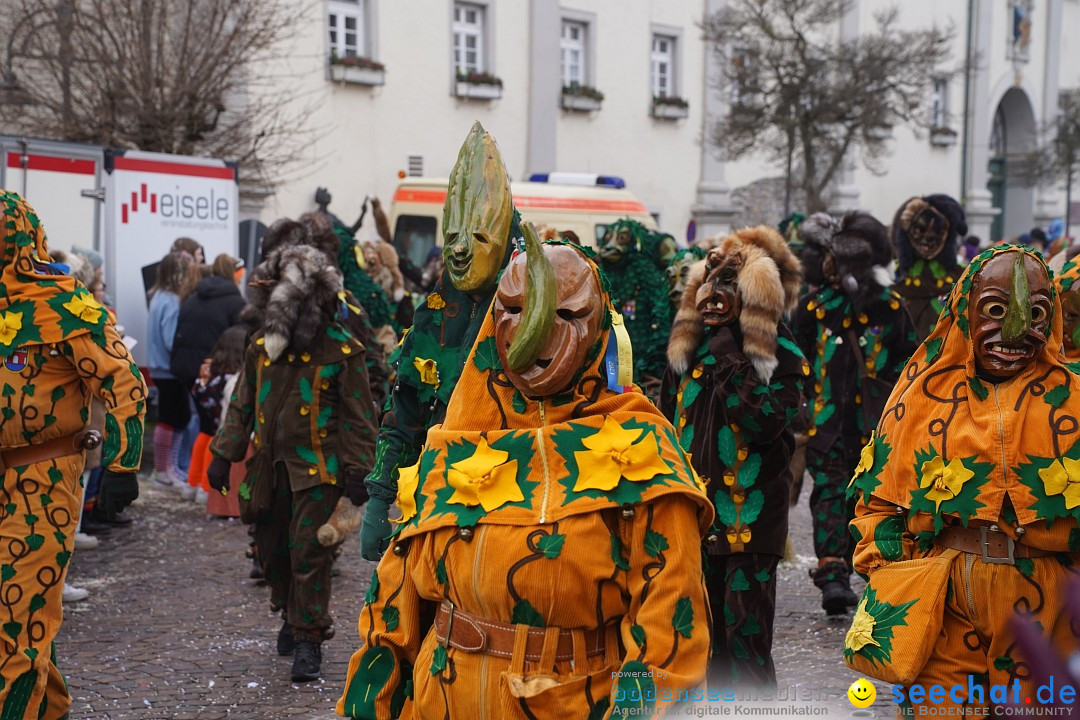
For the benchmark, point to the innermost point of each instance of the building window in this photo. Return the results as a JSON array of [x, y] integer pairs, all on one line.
[[346, 21], [939, 104], [468, 38], [573, 53], [663, 66]]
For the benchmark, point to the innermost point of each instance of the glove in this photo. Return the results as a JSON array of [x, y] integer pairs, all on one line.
[[118, 490], [375, 530], [218, 474], [356, 490]]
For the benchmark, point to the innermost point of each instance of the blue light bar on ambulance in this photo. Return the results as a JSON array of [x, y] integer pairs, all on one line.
[[567, 178]]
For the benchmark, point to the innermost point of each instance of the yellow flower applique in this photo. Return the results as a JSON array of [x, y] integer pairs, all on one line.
[[615, 453], [10, 325], [85, 308], [408, 482], [1063, 478], [861, 632], [866, 460], [487, 478], [944, 480], [428, 369], [435, 301]]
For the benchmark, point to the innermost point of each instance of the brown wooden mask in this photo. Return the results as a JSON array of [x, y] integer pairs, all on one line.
[[1070, 319], [928, 230], [1009, 313], [574, 331], [718, 298]]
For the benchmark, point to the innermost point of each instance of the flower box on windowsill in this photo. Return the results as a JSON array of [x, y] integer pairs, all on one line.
[[670, 112], [478, 91], [580, 103], [357, 75], [942, 137]]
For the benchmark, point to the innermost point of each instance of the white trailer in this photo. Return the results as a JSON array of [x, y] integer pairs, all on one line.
[[130, 206]]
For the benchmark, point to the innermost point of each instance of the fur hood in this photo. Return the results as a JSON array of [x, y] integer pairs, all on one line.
[[296, 291], [769, 280]]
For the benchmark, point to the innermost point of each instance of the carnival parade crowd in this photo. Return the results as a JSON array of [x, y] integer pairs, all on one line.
[[573, 465]]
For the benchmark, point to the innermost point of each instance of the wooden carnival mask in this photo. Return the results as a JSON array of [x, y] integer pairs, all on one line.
[[548, 309], [477, 214], [1009, 313], [1070, 319], [927, 229], [678, 272], [718, 298]]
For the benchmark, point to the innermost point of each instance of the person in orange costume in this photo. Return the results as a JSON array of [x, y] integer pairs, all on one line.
[[59, 347], [1065, 282], [552, 528], [974, 469]]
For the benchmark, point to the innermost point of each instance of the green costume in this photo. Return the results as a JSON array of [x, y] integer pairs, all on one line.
[[635, 259]]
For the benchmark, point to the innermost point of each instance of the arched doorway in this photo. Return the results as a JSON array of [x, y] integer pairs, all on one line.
[[1012, 138]]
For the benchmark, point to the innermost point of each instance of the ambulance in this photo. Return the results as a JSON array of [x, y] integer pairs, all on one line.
[[581, 203]]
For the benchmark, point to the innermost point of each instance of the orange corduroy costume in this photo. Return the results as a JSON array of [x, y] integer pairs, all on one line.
[[955, 449], [58, 347], [578, 511]]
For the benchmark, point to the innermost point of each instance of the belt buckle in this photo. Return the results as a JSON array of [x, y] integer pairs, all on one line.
[[449, 624], [1009, 559]]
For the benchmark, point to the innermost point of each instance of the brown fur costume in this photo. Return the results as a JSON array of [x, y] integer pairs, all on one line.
[[766, 265], [382, 265], [343, 522], [302, 299]]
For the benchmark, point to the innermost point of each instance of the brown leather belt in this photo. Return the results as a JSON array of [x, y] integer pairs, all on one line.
[[471, 633], [991, 543], [50, 449]]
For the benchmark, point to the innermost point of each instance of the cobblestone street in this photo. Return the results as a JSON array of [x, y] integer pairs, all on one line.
[[175, 629]]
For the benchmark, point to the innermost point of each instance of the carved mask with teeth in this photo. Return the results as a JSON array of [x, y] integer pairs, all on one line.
[[718, 298], [574, 331], [1009, 313]]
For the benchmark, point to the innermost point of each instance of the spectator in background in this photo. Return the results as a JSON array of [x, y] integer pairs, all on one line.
[[191, 247], [205, 314], [174, 410], [1038, 240], [969, 249], [212, 390]]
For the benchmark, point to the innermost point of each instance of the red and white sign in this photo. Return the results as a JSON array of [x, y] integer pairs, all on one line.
[[153, 199]]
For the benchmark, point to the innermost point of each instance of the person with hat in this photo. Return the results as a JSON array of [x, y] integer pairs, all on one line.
[[857, 336]]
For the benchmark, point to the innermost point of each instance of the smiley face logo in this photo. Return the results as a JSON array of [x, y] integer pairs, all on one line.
[[862, 693]]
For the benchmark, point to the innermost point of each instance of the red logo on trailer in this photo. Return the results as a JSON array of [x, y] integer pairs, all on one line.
[[176, 204]]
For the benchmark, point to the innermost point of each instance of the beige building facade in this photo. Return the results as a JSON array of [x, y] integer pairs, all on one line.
[[396, 84]]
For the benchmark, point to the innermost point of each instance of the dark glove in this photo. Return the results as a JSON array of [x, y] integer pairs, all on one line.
[[375, 530], [118, 490], [356, 490], [218, 474]]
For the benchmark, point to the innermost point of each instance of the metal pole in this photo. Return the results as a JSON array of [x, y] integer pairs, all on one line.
[[967, 107], [1068, 198]]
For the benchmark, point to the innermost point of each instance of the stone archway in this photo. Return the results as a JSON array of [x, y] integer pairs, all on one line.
[[1012, 138]]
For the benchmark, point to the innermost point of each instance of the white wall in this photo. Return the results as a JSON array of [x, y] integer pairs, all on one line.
[[366, 133]]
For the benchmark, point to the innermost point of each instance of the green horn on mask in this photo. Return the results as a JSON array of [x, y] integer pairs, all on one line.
[[540, 297], [1018, 317]]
